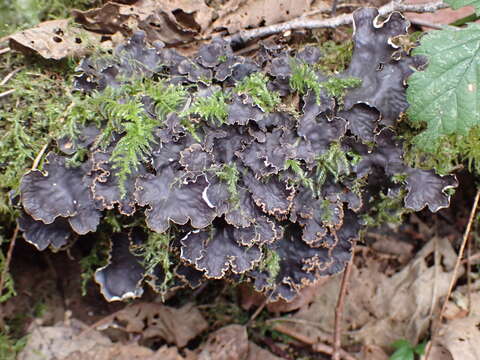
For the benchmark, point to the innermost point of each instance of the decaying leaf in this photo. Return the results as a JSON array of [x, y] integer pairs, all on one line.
[[237, 15], [151, 320], [228, 343], [55, 39], [62, 342], [383, 309]]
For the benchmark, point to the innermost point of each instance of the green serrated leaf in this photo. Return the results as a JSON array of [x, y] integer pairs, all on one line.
[[446, 96], [457, 4]]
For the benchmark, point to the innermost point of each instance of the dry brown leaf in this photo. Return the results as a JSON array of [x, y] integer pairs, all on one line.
[[151, 320], [227, 343], [255, 352], [62, 342], [170, 21], [242, 14], [373, 352], [54, 39], [381, 309]]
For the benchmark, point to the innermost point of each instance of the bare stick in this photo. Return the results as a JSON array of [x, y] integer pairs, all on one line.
[[4, 50], [9, 76], [316, 346], [9, 258], [337, 332], [466, 235], [39, 156], [302, 23], [427, 24], [6, 93]]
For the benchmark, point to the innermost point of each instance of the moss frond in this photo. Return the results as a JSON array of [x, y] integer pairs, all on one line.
[[304, 79], [213, 108], [255, 85], [230, 175], [296, 167], [334, 162]]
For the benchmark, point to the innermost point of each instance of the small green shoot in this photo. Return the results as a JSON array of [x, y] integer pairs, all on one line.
[[304, 79], [230, 175], [255, 85], [334, 162], [296, 167], [213, 108], [156, 252], [404, 350], [271, 264]]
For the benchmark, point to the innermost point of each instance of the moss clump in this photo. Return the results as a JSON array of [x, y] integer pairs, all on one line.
[[255, 85], [271, 264], [334, 162], [335, 57], [9, 348], [336, 87], [155, 252], [296, 167], [305, 79], [213, 108]]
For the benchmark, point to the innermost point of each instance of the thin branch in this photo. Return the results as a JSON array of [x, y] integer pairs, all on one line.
[[9, 76], [39, 156], [302, 23], [453, 280], [9, 258], [427, 24], [337, 332], [4, 50], [6, 93]]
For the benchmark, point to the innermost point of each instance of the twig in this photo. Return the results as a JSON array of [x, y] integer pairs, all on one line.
[[345, 19], [337, 330], [329, 350], [316, 346], [9, 258], [259, 309], [6, 93], [466, 235], [4, 50], [9, 76], [39, 156], [324, 9], [427, 24]]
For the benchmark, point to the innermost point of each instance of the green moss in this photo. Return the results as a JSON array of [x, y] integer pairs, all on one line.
[[271, 264], [296, 167], [213, 108], [21, 14], [337, 87], [32, 116], [9, 348], [335, 57], [334, 162], [97, 258], [255, 85], [386, 210], [156, 252], [229, 174], [304, 79]]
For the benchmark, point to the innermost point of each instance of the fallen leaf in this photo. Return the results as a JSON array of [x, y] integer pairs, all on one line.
[[54, 39], [227, 343], [238, 15], [151, 320], [63, 342], [381, 309], [255, 352], [170, 21]]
